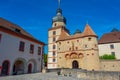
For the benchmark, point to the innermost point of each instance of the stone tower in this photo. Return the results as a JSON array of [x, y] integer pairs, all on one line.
[[58, 23], [91, 49]]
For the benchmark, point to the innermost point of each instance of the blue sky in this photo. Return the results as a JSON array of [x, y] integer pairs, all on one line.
[[35, 16]]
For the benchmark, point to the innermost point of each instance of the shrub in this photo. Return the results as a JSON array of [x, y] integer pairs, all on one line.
[[107, 56]]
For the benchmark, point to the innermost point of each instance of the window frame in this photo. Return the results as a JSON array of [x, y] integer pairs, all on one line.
[[39, 50], [54, 39], [54, 46], [113, 53], [54, 60], [31, 48], [22, 46], [54, 32], [54, 53], [112, 46]]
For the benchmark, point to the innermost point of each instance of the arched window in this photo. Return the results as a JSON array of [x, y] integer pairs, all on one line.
[[5, 68]]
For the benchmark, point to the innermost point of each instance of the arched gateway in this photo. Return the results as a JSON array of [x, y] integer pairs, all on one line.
[[19, 67], [75, 64]]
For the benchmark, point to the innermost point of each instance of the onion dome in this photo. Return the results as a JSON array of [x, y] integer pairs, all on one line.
[[59, 17]]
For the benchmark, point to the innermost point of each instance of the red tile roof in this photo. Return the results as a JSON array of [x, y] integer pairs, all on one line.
[[87, 32], [112, 37], [16, 30], [7, 24]]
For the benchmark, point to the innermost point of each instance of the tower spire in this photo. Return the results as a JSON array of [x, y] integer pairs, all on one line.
[[58, 3]]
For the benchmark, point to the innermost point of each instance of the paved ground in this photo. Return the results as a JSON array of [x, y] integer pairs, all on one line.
[[39, 76]]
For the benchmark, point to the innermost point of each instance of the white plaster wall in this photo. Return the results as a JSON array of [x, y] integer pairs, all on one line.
[[9, 50], [105, 49]]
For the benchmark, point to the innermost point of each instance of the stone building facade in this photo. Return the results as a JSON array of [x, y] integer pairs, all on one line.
[[81, 49], [71, 51]]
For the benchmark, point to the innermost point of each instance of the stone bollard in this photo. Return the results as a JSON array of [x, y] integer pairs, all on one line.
[[43, 70]]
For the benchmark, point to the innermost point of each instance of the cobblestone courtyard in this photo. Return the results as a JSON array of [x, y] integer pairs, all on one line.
[[39, 76]]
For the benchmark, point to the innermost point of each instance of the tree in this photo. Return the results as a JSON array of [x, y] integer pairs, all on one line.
[[107, 57], [45, 59]]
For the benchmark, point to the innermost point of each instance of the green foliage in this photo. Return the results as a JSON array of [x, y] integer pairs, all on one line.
[[45, 58], [107, 57]]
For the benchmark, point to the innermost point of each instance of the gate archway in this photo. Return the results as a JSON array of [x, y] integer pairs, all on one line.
[[19, 67], [75, 64]]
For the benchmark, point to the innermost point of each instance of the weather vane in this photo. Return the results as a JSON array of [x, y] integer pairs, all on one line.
[[58, 3]]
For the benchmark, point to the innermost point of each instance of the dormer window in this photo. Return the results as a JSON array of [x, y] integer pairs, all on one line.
[[17, 30]]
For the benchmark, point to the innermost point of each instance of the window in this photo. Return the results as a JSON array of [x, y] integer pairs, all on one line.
[[31, 48], [54, 60], [87, 54], [86, 46], [60, 43], [0, 37], [113, 53], [54, 39], [95, 45], [68, 42], [55, 24], [53, 53], [54, 46], [111, 46], [54, 32], [17, 30], [76, 48], [39, 50], [21, 46], [104, 65], [89, 39]]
